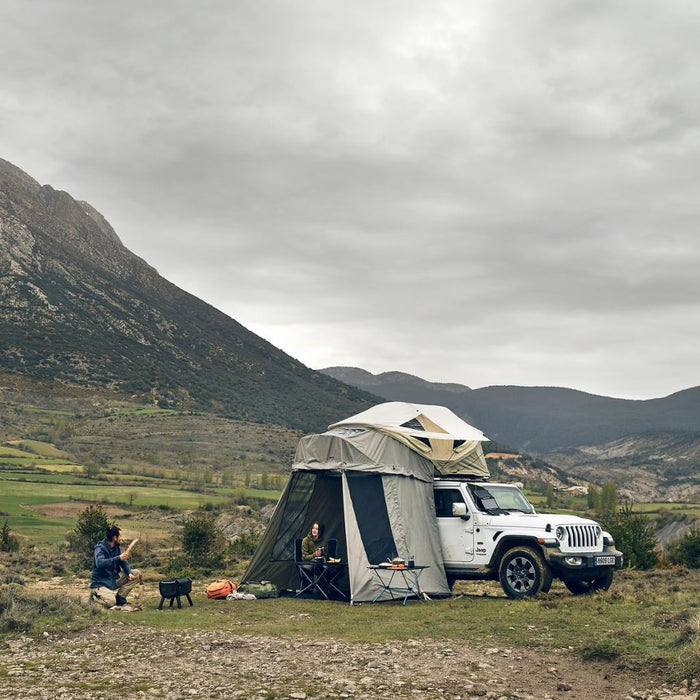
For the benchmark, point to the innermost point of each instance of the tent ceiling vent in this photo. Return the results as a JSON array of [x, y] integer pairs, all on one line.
[[413, 424]]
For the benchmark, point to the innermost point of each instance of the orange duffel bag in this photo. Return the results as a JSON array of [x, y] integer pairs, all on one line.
[[221, 588]]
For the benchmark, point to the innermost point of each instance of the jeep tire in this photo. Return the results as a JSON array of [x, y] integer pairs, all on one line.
[[523, 573]]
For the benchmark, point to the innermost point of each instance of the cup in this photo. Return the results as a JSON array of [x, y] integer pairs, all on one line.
[[411, 561]]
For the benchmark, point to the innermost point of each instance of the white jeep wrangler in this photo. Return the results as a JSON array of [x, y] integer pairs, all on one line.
[[491, 531]]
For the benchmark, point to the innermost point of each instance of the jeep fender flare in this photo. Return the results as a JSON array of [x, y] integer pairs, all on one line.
[[509, 541]]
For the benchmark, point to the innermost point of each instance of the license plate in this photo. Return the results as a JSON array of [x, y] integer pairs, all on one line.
[[605, 561]]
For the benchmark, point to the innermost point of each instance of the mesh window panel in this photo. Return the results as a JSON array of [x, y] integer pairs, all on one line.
[[294, 515]]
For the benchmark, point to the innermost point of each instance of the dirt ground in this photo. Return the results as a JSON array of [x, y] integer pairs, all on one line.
[[117, 660], [114, 660]]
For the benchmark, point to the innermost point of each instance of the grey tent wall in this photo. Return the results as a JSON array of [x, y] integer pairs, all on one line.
[[411, 514]]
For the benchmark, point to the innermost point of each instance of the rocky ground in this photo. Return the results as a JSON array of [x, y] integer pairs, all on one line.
[[117, 660]]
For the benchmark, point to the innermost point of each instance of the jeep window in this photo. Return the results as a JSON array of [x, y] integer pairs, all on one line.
[[497, 498], [444, 498]]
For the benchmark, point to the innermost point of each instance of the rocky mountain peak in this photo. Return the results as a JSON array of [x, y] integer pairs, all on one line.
[[78, 306], [50, 220]]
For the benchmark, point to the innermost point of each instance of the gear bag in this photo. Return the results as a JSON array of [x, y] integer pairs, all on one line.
[[220, 588], [262, 589]]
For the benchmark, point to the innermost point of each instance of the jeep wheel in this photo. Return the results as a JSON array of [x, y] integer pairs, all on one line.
[[600, 583], [522, 573]]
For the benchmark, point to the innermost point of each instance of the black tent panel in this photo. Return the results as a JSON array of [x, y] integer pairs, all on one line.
[[369, 505]]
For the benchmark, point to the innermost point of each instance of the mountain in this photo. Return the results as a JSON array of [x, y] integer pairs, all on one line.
[[402, 386], [538, 419], [78, 307], [651, 449], [661, 466]]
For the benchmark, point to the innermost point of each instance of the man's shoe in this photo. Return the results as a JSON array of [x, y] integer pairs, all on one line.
[[121, 600]]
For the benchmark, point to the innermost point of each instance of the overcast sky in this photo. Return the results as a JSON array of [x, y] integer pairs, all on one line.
[[481, 192]]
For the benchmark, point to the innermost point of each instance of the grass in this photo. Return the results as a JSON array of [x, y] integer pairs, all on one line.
[[44, 449], [677, 509], [24, 611], [24, 461], [18, 498], [648, 622]]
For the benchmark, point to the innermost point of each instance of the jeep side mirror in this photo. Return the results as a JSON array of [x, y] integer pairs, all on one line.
[[459, 510]]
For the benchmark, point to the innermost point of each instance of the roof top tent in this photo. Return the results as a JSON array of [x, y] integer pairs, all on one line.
[[368, 480]]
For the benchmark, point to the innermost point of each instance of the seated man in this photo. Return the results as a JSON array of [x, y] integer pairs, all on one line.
[[107, 586]]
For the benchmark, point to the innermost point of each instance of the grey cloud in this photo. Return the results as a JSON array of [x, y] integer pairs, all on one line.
[[483, 193]]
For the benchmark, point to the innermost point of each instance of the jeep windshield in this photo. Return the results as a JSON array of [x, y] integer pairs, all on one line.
[[500, 498]]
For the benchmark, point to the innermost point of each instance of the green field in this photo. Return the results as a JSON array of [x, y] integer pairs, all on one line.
[[24, 493], [43, 449], [687, 509]]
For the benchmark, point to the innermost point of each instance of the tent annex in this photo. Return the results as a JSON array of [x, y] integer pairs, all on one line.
[[369, 480]]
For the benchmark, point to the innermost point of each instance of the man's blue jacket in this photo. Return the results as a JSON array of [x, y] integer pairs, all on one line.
[[106, 565]]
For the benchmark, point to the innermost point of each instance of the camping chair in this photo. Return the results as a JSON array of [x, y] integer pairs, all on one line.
[[331, 572], [307, 578]]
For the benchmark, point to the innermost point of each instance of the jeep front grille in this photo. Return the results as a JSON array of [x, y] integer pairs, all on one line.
[[581, 536]]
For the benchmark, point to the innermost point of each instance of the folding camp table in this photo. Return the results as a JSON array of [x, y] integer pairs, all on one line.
[[401, 580]]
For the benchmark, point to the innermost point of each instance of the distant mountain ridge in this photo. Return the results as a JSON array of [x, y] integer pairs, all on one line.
[[78, 307], [356, 376], [538, 419], [651, 449]]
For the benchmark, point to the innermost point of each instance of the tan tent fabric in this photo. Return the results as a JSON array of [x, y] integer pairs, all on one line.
[[435, 432]]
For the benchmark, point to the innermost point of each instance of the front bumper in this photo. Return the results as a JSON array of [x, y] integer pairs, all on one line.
[[570, 562]]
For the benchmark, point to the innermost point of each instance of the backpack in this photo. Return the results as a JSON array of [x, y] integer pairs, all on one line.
[[261, 589], [220, 588]]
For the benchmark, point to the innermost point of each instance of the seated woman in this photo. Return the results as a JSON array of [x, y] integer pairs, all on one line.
[[314, 545]]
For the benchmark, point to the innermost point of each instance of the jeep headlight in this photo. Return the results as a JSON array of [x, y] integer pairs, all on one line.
[[573, 561], [560, 533], [598, 532]]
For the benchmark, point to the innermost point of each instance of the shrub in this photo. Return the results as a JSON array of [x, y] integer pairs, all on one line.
[[686, 550], [607, 501], [634, 536], [88, 531], [200, 538], [245, 544], [593, 497], [23, 611], [8, 542]]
